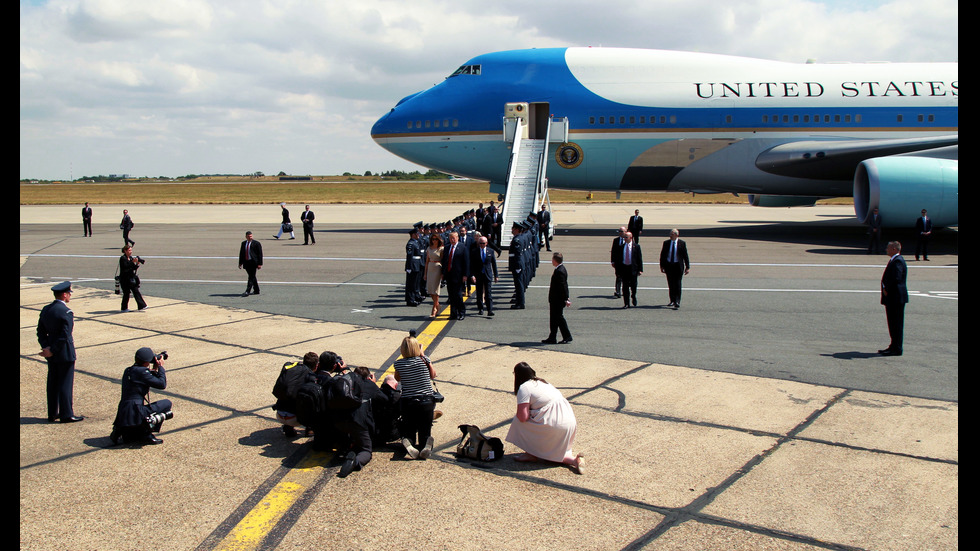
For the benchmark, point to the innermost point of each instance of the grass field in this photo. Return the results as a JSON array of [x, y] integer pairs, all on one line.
[[324, 190]]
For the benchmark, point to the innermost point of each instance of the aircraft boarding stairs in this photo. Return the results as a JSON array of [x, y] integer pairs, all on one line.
[[527, 182]]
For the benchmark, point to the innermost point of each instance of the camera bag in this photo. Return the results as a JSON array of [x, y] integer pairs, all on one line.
[[476, 445]]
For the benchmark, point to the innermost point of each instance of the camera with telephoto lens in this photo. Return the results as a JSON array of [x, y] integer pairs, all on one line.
[[154, 419], [162, 356]]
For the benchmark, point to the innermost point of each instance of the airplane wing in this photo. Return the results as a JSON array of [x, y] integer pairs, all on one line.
[[838, 159]]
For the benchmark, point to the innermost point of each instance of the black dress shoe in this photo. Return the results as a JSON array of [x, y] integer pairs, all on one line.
[[565, 341], [634, 301], [150, 439], [491, 314], [72, 419], [549, 341], [114, 436], [516, 307], [349, 463]]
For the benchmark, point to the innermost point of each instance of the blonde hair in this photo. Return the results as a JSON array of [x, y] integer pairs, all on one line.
[[411, 347]]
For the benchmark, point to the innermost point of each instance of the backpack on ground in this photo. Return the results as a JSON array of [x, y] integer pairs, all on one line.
[[343, 392], [476, 445], [311, 403]]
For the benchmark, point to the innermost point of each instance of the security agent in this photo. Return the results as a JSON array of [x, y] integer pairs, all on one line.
[[136, 417]]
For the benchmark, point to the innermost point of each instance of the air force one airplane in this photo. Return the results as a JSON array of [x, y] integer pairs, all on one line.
[[628, 119]]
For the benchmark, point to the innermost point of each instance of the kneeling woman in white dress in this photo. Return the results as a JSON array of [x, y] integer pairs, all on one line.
[[544, 426]]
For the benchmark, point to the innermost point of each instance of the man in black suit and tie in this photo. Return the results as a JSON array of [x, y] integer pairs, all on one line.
[[307, 218], [635, 225], [923, 228], [629, 266], [86, 221], [558, 300], [544, 220], [455, 271], [874, 232], [483, 272], [250, 258], [617, 252], [54, 334], [126, 225], [894, 296], [675, 264]]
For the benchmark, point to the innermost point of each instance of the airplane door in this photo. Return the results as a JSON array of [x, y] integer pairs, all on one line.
[[538, 119]]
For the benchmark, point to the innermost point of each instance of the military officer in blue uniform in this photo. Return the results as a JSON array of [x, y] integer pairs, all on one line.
[[54, 334], [414, 262], [136, 417]]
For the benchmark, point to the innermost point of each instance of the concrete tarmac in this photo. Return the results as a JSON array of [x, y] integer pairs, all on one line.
[[679, 455]]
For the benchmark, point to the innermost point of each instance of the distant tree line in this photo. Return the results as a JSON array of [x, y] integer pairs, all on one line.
[[414, 175]]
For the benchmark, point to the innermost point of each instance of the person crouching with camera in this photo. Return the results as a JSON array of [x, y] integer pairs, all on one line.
[[136, 417]]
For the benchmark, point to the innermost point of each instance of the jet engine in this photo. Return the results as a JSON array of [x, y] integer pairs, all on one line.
[[901, 186]]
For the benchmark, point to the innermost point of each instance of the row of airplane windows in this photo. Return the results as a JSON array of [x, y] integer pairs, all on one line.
[[774, 119], [663, 119]]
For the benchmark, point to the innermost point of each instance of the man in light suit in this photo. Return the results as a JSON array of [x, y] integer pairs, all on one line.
[[629, 266], [894, 296], [54, 334], [675, 264], [923, 228], [558, 300], [483, 272], [455, 271], [307, 218], [635, 225], [250, 258]]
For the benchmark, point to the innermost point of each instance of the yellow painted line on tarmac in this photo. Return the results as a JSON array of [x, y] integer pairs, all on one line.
[[253, 528], [425, 337]]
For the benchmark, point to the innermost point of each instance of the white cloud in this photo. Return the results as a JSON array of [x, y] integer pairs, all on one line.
[[171, 87]]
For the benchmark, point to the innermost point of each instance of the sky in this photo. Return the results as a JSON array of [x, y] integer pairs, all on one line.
[[177, 87]]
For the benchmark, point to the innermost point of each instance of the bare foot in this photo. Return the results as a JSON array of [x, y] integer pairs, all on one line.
[[579, 465]]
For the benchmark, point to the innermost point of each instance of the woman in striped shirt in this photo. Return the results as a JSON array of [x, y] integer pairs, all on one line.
[[415, 373]]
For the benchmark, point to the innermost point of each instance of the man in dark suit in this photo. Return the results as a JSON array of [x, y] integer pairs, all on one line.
[[894, 296], [923, 228], [544, 220], [126, 225], [54, 334], [307, 218], [455, 271], [86, 221], [675, 264], [635, 225], [617, 252], [874, 232], [558, 299], [250, 258], [483, 272], [629, 266]]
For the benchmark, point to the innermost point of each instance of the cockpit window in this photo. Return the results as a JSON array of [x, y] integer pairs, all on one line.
[[467, 70]]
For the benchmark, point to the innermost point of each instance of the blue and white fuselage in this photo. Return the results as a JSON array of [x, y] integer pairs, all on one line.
[[885, 133]]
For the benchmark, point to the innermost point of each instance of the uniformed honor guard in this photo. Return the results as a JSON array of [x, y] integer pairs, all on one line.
[[413, 267], [515, 266]]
